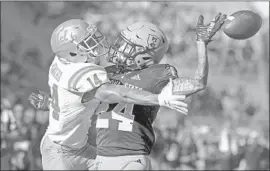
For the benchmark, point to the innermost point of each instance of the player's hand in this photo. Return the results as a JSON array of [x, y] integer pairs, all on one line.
[[39, 100], [206, 32], [166, 98]]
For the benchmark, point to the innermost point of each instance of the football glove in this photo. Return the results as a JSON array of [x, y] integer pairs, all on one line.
[[206, 32], [166, 98], [39, 100]]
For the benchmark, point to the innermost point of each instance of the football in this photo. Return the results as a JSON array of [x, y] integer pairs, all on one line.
[[242, 24]]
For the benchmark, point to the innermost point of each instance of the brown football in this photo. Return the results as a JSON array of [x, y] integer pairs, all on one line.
[[242, 24]]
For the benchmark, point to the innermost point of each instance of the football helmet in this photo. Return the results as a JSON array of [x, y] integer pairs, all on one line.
[[77, 41], [138, 46]]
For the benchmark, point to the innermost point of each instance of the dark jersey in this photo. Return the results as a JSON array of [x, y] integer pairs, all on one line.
[[126, 129]]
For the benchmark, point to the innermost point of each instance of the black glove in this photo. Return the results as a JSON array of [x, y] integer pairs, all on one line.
[[206, 32], [39, 100]]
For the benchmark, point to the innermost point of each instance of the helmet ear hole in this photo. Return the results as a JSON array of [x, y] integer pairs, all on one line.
[[73, 54], [146, 58]]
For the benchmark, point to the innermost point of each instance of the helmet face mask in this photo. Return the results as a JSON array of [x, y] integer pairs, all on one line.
[[94, 43], [138, 46], [123, 52]]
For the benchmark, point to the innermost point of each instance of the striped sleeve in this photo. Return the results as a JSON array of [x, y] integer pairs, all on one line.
[[171, 72], [87, 78]]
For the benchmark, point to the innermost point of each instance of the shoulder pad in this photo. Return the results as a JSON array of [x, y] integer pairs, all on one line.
[[82, 72], [163, 71], [82, 77]]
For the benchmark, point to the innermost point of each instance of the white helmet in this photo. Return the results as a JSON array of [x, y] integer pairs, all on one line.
[[77, 41], [138, 46]]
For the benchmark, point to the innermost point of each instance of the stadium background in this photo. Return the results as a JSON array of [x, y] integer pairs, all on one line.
[[228, 123]]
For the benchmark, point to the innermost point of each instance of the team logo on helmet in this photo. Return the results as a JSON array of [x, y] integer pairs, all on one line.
[[66, 34], [153, 41]]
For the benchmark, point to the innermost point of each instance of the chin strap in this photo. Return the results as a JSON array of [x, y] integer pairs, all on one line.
[[63, 60]]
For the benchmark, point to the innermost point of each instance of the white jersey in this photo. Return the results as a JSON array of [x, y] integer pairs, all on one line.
[[69, 119]]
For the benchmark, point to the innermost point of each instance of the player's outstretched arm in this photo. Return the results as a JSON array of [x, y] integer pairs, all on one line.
[[189, 86], [112, 93]]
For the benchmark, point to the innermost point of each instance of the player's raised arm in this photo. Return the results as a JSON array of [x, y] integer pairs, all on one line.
[[188, 86]]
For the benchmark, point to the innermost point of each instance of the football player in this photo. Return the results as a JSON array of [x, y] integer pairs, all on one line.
[[77, 85], [125, 134], [124, 131]]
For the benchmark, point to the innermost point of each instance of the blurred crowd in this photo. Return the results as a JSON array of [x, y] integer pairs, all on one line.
[[231, 141], [228, 124], [195, 148], [182, 144], [22, 129]]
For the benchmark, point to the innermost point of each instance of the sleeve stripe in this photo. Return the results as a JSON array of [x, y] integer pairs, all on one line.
[[71, 80], [77, 74], [84, 72]]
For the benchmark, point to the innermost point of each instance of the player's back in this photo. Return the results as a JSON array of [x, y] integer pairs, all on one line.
[[126, 129], [69, 118]]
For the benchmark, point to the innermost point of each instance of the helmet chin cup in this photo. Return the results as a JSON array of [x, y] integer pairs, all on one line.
[[78, 59], [93, 60]]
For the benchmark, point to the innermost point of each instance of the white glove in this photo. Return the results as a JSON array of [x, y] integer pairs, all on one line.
[[166, 98]]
